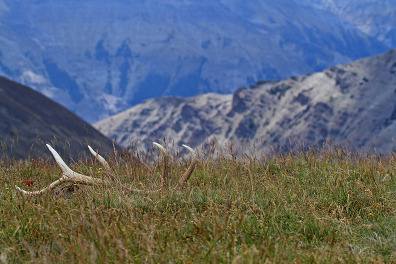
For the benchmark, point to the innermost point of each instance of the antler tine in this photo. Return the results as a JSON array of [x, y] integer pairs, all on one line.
[[99, 158], [165, 184], [68, 175], [65, 169], [194, 159]]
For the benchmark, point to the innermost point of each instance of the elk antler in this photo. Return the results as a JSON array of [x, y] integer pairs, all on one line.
[[68, 175]]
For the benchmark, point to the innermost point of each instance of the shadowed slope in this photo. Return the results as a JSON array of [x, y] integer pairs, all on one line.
[[29, 119]]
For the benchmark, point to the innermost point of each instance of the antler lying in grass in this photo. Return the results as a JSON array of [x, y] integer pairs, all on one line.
[[68, 175]]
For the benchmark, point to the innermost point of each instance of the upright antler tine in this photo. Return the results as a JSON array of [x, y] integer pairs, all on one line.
[[99, 158], [65, 169], [192, 151], [165, 184], [160, 147], [194, 159]]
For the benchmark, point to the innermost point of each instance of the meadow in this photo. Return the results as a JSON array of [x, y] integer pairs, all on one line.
[[312, 205]]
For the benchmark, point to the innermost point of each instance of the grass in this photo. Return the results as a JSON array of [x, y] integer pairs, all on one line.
[[320, 205]]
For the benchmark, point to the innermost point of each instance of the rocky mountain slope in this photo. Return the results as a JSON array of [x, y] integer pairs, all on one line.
[[28, 120], [355, 102], [99, 57]]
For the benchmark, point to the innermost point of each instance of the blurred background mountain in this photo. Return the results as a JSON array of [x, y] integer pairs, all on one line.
[[98, 58], [374, 18]]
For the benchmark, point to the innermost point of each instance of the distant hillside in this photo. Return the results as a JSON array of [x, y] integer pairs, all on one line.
[[373, 17], [353, 102], [28, 120], [100, 57]]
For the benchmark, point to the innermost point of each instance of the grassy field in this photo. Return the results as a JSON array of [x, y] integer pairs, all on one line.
[[320, 205]]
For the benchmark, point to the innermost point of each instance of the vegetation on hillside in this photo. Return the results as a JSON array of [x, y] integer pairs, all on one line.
[[316, 205]]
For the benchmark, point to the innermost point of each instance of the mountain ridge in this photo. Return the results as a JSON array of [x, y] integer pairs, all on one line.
[[343, 103]]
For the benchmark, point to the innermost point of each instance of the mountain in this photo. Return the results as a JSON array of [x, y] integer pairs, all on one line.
[[28, 120], [373, 17], [354, 103], [99, 57]]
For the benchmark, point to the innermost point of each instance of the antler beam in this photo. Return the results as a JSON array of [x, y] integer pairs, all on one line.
[[68, 175]]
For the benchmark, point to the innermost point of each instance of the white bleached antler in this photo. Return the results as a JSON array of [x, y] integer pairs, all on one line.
[[99, 158], [68, 175]]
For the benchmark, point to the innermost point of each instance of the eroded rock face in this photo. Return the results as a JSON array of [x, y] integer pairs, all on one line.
[[349, 103], [239, 102], [246, 129], [302, 99]]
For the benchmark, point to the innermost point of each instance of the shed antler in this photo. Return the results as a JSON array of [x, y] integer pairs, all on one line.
[[68, 175]]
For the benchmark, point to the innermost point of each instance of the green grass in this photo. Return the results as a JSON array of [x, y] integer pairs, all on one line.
[[315, 206]]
